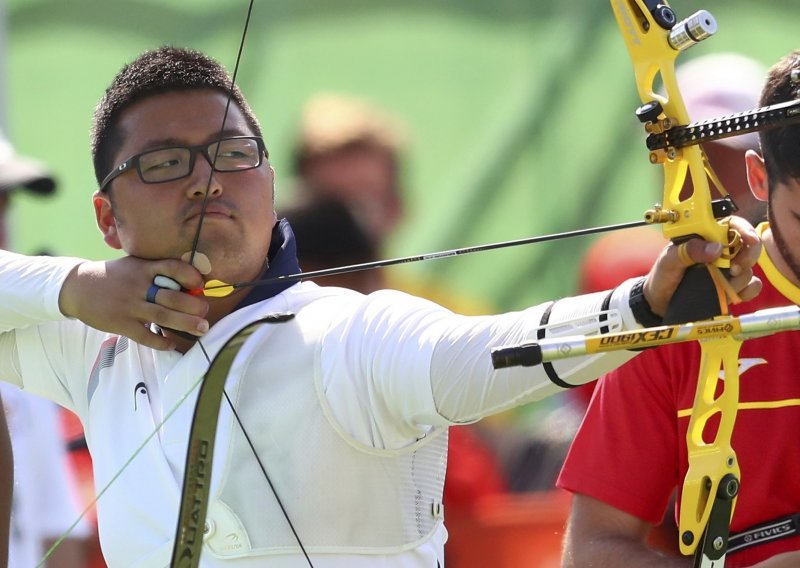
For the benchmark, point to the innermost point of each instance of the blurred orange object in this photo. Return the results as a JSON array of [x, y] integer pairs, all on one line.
[[81, 463], [509, 530], [472, 472], [615, 257]]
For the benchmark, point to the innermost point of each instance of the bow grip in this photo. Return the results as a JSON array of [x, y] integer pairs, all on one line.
[[696, 297], [699, 296]]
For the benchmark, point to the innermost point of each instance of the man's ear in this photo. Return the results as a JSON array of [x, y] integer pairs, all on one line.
[[757, 175], [106, 221]]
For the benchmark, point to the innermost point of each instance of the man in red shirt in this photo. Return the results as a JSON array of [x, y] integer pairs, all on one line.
[[630, 453]]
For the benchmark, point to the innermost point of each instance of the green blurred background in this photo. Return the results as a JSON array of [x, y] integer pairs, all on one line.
[[520, 113]]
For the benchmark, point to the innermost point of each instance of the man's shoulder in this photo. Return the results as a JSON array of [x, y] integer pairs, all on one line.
[[306, 294]]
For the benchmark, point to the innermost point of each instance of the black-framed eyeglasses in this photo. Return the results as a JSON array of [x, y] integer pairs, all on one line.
[[233, 154]]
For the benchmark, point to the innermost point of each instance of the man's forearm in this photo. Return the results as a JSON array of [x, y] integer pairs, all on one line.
[[31, 287], [613, 552]]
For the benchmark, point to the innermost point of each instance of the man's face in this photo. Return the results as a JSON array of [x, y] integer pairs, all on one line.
[[160, 220], [363, 178], [784, 220]]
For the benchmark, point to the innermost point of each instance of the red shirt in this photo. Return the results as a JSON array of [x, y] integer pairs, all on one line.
[[630, 451]]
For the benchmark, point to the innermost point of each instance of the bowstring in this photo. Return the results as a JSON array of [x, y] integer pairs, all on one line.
[[195, 243]]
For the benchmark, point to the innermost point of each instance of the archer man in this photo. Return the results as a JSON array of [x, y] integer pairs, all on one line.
[[345, 399]]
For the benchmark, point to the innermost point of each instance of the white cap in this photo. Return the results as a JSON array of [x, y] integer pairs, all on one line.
[[21, 172], [721, 84]]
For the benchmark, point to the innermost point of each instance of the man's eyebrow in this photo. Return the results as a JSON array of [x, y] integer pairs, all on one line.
[[156, 143], [162, 143]]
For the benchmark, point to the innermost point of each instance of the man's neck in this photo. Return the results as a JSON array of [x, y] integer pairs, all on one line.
[[777, 257]]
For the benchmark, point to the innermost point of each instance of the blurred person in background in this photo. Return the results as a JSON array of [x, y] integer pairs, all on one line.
[[43, 505], [349, 149], [719, 85], [353, 151], [348, 165]]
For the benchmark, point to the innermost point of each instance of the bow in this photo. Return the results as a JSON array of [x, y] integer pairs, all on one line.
[[654, 39]]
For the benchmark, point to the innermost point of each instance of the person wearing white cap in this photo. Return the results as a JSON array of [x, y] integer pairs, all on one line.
[[19, 172], [719, 85], [41, 505]]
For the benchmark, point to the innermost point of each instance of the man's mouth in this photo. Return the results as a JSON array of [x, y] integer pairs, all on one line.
[[212, 212]]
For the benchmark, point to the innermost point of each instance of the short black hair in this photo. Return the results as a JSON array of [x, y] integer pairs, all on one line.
[[155, 72], [780, 146]]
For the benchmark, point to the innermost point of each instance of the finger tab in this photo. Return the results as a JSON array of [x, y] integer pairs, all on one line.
[[166, 282]]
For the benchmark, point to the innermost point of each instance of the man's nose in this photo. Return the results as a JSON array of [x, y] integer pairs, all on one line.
[[204, 178]]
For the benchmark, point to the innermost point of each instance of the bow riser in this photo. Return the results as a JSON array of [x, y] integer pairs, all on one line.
[[710, 461], [649, 31]]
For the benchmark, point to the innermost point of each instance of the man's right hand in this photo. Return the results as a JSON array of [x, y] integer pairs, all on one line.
[[112, 296], [669, 269]]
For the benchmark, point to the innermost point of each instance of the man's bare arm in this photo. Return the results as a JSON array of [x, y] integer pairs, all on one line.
[[601, 536]]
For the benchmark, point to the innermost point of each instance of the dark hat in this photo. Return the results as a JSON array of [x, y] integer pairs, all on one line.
[[21, 172]]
